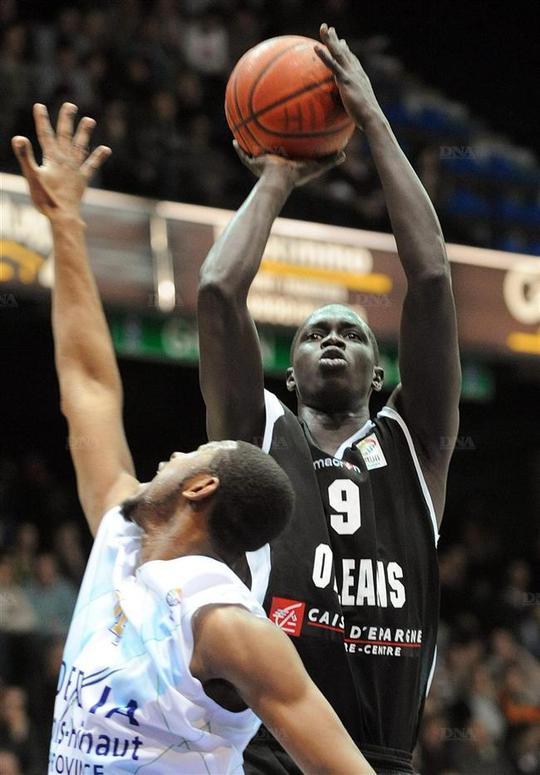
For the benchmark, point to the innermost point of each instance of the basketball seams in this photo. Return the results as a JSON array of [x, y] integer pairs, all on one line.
[[247, 145], [268, 66], [300, 116], [254, 117], [300, 135], [312, 114], [282, 101], [298, 111]]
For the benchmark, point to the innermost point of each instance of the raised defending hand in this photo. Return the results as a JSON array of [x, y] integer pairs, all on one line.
[[57, 186], [294, 172], [354, 85]]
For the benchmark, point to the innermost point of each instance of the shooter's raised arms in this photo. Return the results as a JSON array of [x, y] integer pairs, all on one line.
[[90, 386]]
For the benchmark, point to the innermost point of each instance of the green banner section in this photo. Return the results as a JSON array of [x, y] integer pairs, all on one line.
[[175, 339]]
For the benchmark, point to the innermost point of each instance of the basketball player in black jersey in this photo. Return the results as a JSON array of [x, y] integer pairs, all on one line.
[[354, 579]]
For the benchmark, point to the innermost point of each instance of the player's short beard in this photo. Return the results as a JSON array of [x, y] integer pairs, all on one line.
[[128, 509], [142, 508]]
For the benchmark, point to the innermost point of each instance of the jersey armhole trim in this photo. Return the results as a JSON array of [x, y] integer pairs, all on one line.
[[260, 565], [274, 410], [391, 413], [340, 451], [431, 672]]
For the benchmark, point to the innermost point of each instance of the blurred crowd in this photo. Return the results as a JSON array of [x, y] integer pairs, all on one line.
[[153, 74], [42, 560], [482, 715]]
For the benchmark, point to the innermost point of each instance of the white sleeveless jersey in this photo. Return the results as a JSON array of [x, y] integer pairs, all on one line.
[[126, 700]]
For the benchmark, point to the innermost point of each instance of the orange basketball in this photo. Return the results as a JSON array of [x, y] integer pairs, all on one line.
[[281, 98]]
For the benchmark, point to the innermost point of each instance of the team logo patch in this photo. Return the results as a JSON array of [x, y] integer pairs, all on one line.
[[173, 596], [371, 451], [120, 620], [288, 615]]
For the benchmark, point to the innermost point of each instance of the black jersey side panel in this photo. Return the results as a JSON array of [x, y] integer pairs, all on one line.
[[353, 580]]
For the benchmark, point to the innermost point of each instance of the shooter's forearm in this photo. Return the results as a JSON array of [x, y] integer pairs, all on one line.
[[415, 225]]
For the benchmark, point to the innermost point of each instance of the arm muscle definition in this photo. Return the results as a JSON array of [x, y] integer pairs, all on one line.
[[90, 387]]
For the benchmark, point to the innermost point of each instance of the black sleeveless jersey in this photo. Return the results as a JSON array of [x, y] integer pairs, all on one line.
[[353, 580]]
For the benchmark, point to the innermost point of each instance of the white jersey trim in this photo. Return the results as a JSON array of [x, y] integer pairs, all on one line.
[[260, 561], [274, 411], [260, 565], [431, 672], [340, 451], [391, 413]]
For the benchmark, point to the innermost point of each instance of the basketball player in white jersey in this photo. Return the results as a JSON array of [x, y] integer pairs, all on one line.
[[169, 657]]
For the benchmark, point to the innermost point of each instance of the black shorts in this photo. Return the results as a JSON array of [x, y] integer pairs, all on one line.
[[264, 756], [263, 759]]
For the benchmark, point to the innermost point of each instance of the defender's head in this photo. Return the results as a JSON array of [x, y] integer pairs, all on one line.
[[233, 494], [335, 360]]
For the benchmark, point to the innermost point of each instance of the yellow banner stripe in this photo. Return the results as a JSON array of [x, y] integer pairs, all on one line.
[[369, 283], [28, 261], [522, 342]]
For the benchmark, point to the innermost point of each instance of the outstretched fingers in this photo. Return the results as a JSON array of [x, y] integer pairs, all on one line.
[[25, 155], [331, 54], [64, 125], [44, 131], [95, 160], [338, 48], [329, 61], [81, 141]]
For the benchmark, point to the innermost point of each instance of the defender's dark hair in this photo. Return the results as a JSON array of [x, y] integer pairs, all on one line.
[[254, 501]]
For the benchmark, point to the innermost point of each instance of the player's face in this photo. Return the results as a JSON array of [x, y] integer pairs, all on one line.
[[181, 465], [333, 360], [159, 497]]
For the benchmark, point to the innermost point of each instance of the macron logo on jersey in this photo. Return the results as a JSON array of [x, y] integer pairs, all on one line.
[[288, 615]]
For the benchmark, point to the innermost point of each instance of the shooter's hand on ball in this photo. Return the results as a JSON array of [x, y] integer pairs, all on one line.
[[57, 186], [354, 86], [290, 171]]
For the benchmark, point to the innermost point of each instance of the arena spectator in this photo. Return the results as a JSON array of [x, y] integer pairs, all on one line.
[[17, 620], [9, 763], [206, 44], [69, 552], [479, 754], [17, 732], [530, 626], [53, 597], [25, 551]]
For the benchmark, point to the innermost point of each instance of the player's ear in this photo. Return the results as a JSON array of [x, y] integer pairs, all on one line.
[[199, 487], [378, 378], [290, 381]]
